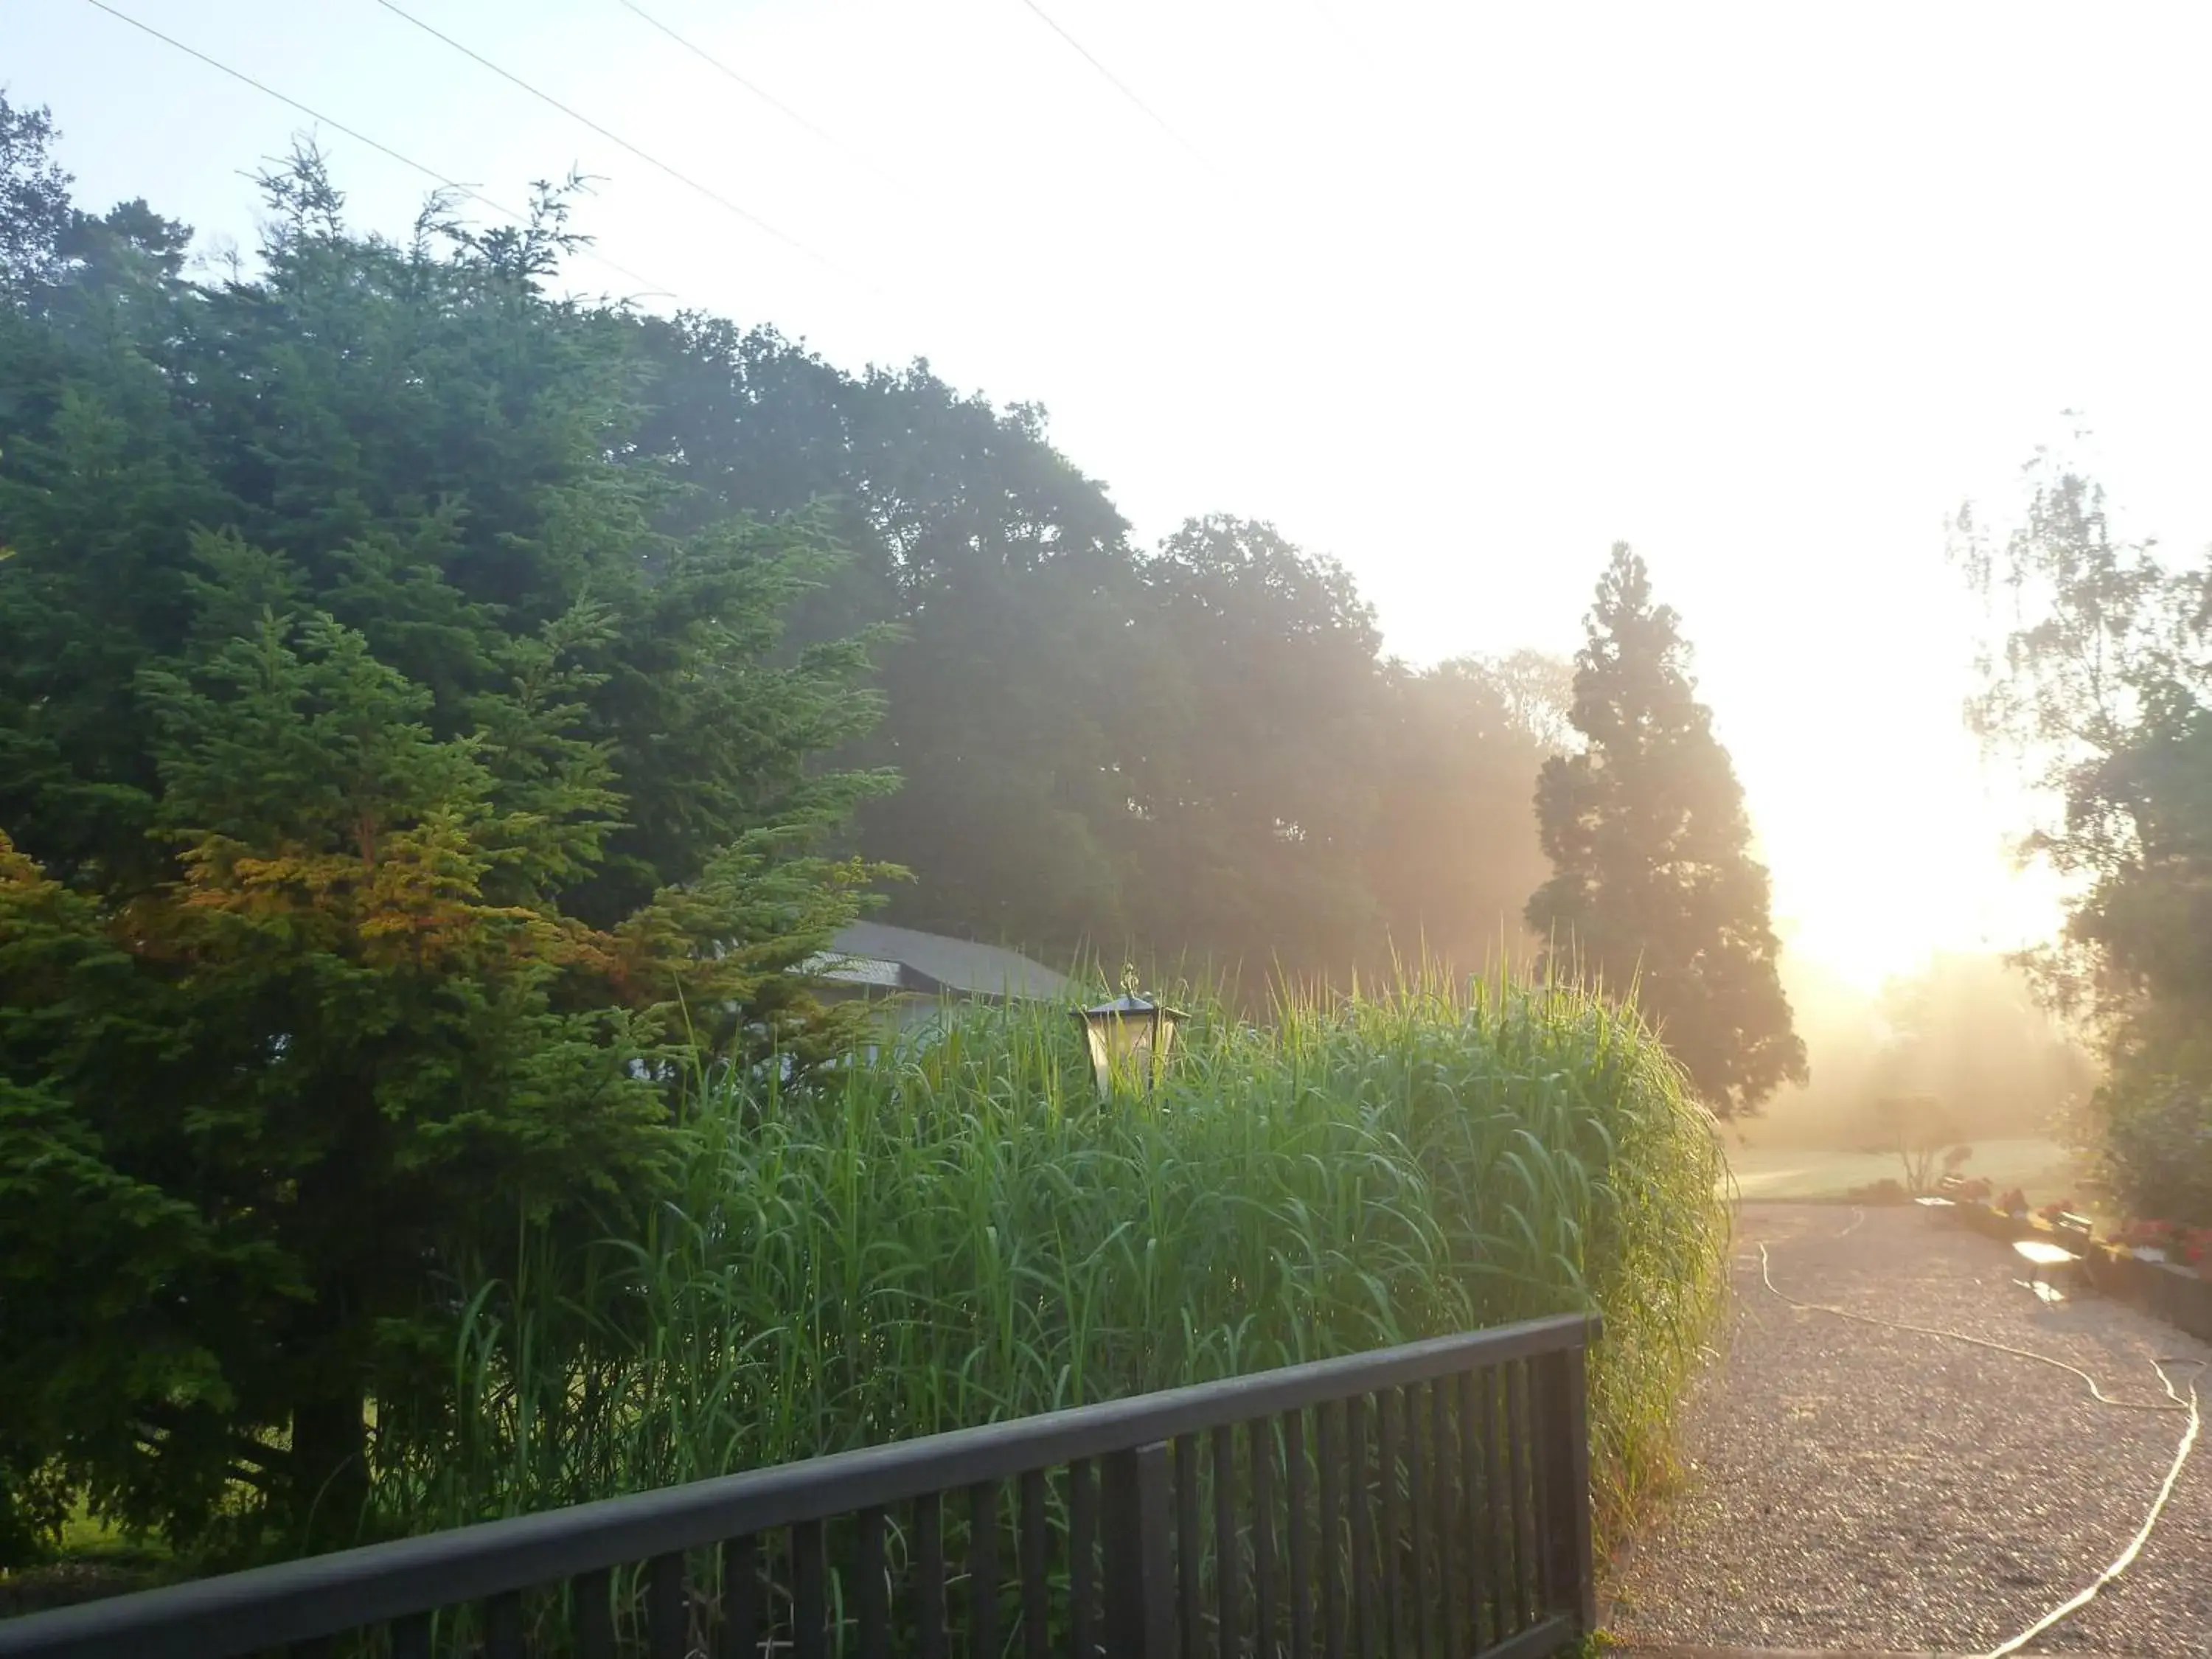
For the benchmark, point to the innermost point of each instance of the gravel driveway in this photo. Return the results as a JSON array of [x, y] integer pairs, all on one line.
[[1850, 1487]]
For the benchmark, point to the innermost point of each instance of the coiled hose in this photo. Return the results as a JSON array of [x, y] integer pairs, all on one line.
[[2172, 1403]]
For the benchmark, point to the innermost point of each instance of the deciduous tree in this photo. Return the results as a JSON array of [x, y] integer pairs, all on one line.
[[2100, 680]]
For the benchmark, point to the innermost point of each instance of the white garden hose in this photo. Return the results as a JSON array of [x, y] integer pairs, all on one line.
[[2172, 1403]]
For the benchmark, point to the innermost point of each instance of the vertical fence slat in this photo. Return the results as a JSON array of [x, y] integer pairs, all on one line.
[[1036, 1567], [872, 1594], [1228, 1601], [503, 1626], [741, 1599], [1298, 1532], [592, 1594], [1505, 1466], [1388, 1407], [1267, 1579], [1330, 1443], [929, 1573], [983, 1570], [1188, 1543], [1453, 1517], [1139, 1605], [1576, 1589], [1361, 1493], [1083, 1559], [1420, 1449], [1477, 1539], [666, 1625], [1497, 1492], [1543, 1483], [1524, 1480], [810, 1594], [1444, 1493]]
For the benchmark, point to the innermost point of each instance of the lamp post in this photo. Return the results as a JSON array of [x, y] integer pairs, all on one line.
[[1131, 1038]]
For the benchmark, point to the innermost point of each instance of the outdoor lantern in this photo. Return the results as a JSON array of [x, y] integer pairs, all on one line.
[[1130, 1038]]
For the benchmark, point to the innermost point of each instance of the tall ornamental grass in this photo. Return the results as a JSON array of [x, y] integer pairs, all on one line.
[[956, 1231]]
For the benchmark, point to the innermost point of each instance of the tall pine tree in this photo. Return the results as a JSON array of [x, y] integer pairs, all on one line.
[[1653, 884]]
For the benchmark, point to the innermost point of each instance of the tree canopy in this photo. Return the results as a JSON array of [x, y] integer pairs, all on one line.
[[438, 716], [1196, 753], [401, 781], [2100, 680], [1653, 889]]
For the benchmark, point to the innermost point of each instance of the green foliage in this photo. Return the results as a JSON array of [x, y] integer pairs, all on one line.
[[1193, 752], [1004, 572], [2100, 683], [35, 201], [435, 721], [955, 1232], [1450, 853], [390, 791], [2157, 1146], [1653, 887], [1250, 792]]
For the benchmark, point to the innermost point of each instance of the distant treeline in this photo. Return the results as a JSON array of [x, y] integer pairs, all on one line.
[[438, 722], [1193, 752]]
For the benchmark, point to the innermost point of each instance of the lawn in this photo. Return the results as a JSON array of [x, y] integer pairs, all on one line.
[[2044, 1169]]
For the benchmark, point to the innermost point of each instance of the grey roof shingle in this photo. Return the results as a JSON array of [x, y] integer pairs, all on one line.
[[955, 965]]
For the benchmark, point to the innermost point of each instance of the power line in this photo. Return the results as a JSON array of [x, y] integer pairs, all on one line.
[[1343, 36], [686, 179], [1113, 80], [1328, 20], [453, 185], [757, 91]]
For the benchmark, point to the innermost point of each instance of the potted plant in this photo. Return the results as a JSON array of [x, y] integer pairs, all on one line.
[[2147, 1240]]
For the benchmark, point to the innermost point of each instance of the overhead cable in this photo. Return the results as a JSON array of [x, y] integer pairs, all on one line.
[[647, 156], [358, 137], [1113, 80], [757, 91]]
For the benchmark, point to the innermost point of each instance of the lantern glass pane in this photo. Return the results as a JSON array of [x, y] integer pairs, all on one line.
[[1102, 1058], [1129, 1041], [1136, 1045]]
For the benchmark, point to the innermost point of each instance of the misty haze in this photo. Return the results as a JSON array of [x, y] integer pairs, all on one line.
[[1037, 826]]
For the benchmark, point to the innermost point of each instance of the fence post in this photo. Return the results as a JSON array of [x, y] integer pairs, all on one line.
[[1139, 1607], [1568, 1576]]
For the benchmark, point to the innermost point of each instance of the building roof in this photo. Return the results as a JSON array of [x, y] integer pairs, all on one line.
[[904, 958]]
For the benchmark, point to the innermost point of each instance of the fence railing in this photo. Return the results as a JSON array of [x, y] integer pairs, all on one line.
[[1429, 1499]]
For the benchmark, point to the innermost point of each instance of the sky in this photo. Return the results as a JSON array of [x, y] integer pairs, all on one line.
[[1459, 294]]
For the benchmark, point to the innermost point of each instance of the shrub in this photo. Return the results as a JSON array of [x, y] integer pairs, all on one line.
[[1884, 1191], [955, 1231], [2157, 1147]]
